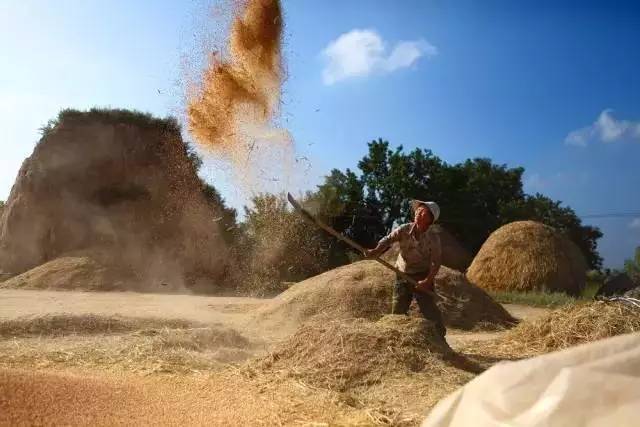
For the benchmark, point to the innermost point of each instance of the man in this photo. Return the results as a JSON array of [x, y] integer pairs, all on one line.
[[419, 257]]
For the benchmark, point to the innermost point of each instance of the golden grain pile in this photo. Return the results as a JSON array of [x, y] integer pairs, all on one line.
[[565, 327], [527, 255], [340, 355], [363, 290]]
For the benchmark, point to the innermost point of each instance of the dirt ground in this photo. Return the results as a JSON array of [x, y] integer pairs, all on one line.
[[99, 379]]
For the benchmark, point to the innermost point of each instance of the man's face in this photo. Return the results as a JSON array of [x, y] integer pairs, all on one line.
[[423, 218]]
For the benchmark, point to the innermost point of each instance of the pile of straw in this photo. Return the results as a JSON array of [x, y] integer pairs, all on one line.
[[363, 290], [340, 355], [566, 327], [527, 255]]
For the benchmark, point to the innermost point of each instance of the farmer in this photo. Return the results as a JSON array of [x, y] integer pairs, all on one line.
[[419, 257]]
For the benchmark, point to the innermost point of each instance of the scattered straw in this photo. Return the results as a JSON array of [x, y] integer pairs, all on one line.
[[87, 324], [339, 355], [566, 327]]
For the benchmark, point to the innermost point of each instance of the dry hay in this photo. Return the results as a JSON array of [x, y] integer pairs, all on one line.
[[103, 342], [567, 327], [454, 255], [71, 273], [466, 306], [527, 255], [88, 324], [359, 290], [341, 355], [363, 290], [116, 182]]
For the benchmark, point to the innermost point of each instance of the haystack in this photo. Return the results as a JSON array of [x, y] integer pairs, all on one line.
[[568, 326], [363, 290], [526, 256], [454, 255], [341, 355], [71, 273], [117, 180]]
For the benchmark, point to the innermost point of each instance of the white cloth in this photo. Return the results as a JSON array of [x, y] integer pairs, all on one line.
[[596, 384]]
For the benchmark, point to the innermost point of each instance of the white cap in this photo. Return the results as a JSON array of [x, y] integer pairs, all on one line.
[[432, 206]]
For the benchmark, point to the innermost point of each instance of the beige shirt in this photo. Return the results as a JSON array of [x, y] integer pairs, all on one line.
[[419, 252]]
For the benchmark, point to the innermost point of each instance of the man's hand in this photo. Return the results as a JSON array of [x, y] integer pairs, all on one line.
[[370, 253]]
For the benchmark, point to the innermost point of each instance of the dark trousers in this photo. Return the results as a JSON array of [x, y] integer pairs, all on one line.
[[402, 296]]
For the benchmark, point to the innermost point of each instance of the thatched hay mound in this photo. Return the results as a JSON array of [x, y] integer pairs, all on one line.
[[71, 273], [340, 355], [466, 306], [569, 326], [363, 290], [454, 255], [116, 180], [527, 255], [358, 290]]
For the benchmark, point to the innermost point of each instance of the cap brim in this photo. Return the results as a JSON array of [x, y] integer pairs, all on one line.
[[415, 204]]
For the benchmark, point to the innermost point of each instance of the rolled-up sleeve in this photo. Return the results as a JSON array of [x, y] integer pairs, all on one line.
[[392, 237]]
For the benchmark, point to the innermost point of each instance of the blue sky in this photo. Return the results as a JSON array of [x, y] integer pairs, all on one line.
[[549, 86]]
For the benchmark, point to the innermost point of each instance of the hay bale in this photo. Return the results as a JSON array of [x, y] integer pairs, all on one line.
[[454, 255], [569, 326], [363, 290], [526, 256], [341, 355], [118, 180]]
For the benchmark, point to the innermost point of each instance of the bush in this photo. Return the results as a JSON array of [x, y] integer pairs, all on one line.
[[276, 246], [113, 115]]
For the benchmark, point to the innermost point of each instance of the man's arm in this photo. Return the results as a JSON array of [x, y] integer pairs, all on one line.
[[384, 243]]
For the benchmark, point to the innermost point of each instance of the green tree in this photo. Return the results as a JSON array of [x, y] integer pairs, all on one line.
[[477, 196], [632, 266]]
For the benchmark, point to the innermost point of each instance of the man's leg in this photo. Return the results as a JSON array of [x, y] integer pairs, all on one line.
[[430, 311], [401, 297]]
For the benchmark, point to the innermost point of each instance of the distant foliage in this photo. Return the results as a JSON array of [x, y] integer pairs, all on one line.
[[632, 266], [476, 197], [277, 246]]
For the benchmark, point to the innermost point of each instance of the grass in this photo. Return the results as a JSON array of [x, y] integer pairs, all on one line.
[[545, 299], [534, 298]]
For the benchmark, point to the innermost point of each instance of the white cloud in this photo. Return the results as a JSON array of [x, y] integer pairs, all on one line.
[[359, 53], [606, 128], [635, 223]]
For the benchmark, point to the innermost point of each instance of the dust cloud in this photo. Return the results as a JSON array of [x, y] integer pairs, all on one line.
[[231, 112]]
